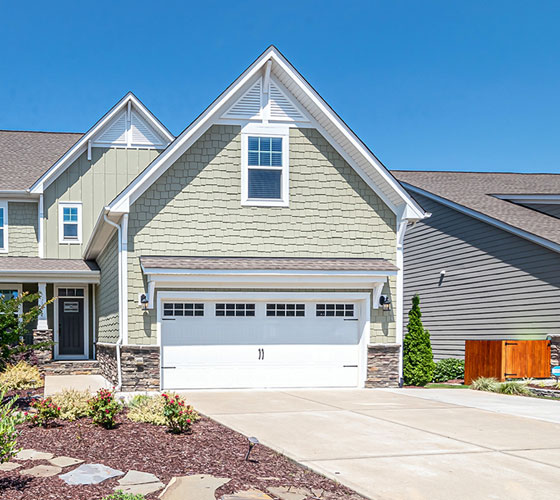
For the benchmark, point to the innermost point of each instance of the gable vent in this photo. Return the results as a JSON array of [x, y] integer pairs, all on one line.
[[115, 133], [248, 105], [281, 107], [142, 133]]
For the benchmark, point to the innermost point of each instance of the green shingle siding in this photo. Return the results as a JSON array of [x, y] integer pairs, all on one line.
[[107, 298], [194, 208], [22, 229]]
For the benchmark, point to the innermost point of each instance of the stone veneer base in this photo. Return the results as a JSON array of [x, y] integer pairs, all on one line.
[[139, 365], [383, 365]]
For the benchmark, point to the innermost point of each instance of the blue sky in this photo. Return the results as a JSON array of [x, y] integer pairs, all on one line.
[[430, 85]]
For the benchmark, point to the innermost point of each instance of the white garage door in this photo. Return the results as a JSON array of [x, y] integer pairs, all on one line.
[[243, 344]]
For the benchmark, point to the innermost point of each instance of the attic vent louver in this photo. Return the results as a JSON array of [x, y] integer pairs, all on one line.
[[249, 105], [281, 107], [142, 133], [116, 132]]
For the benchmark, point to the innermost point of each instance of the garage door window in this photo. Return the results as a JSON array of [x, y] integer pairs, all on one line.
[[181, 309], [235, 309], [338, 310], [285, 310]]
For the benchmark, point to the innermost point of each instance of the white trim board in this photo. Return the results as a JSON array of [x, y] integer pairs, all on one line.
[[485, 218]]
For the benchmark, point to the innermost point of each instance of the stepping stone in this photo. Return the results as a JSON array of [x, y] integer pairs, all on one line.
[[290, 492], [42, 471], [8, 466], [65, 461], [31, 454], [247, 495], [197, 487], [90, 474], [139, 483]]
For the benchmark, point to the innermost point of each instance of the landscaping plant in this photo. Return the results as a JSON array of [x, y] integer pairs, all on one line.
[[148, 409], [103, 408], [514, 388], [121, 495], [20, 376], [418, 362], [9, 419], [46, 412], [73, 404], [178, 416], [15, 325], [449, 369], [488, 384]]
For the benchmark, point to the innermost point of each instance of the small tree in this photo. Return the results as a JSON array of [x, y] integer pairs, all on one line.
[[14, 326], [9, 419], [418, 361]]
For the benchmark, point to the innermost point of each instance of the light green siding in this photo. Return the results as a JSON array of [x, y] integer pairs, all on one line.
[[195, 209], [94, 183], [107, 298], [22, 229]]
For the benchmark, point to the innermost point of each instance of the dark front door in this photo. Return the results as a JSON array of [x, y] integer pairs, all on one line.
[[71, 326]]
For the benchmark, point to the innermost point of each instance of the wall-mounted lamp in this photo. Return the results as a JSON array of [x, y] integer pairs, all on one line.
[[144, 301], [385, 302]]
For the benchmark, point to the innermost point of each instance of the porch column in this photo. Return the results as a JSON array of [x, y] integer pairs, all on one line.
[[42, 323]]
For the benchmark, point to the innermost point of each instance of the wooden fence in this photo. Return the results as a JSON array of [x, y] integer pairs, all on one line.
[[506, 359]]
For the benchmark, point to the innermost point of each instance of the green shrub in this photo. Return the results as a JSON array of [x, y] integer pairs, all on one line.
[[20, 376], [514, 388], [449, 369], [147, 409], [418, 362], [179, 417], [46, 412], [120, 495], [488, 384], [103, 408], [73, 404], [9, 419]]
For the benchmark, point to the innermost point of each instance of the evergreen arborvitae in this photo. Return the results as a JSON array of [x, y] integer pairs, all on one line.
[[418, 361]]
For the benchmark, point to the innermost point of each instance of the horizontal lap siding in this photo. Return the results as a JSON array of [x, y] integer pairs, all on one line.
[[195, 209], [497, 285]]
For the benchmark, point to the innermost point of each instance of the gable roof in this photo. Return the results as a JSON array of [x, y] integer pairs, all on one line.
[[25, 156], [354, 151], [81, 145], [485, 196]]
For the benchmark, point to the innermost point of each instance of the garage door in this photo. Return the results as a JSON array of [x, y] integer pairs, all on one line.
[[244, 344]]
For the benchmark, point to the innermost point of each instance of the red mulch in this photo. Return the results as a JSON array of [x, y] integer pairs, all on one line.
[[210, 449]]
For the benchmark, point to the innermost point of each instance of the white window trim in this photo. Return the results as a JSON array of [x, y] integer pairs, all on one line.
[[262, 130], [61, 207], [4, 206], [14, 286]]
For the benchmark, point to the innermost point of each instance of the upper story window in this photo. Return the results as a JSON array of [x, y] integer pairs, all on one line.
[[70, 222], [265, 165], [3, 226]]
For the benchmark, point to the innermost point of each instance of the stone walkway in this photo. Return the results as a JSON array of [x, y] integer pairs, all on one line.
[[194, 487]]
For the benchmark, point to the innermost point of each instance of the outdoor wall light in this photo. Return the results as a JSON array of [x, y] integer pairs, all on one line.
[[252, 442], [144, 302], [385, 302]]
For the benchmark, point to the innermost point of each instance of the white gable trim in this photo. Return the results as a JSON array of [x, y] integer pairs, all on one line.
[[485, 218], [397, 194], [126, 104]]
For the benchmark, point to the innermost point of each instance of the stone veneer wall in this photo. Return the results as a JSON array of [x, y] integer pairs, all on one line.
[[383, 365], [40, 336], [554, 350], [139, 365]]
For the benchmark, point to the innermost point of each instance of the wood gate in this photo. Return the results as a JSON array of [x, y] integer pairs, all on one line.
[[505, 359]]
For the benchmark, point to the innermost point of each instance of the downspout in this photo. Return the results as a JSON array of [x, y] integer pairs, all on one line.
[[119, 278]]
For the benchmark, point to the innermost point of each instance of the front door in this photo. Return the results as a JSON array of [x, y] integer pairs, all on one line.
[[71, 326]]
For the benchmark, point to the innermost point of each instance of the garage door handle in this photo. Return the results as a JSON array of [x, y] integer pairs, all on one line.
[[350, 319], [168, 367]]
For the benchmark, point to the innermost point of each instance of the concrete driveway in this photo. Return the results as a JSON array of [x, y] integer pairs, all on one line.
[[403, 444]]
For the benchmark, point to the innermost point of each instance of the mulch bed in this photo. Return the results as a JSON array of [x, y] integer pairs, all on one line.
[[210, 449]]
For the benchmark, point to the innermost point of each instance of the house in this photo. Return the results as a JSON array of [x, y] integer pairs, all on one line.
[[486, 263], [262, 247]]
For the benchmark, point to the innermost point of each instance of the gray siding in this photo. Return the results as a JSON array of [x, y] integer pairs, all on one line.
[[547, 208], [107, 298], [496, 286], [22, 229]]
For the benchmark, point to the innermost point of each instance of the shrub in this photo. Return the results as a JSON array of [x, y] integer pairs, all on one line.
[[418, 362], [103, 408], [514, 388], [9, 419], [488, 384], [73, 404], [20, 376], [120, 495], [449, 369], [46, 412], [178, 416], [147, 409]]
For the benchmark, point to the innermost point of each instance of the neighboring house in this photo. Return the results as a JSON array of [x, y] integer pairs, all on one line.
[[253, 250], [486, 263]]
